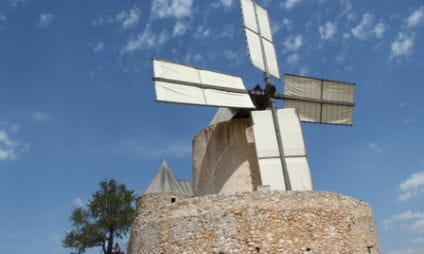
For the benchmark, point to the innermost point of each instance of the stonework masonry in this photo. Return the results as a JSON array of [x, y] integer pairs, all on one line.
[[224, 159], [253, 222]]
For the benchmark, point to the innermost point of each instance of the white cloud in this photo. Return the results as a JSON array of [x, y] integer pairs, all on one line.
[[361, 31], [145, 40], [416, 17], [147, 148], [45, 20], [235, 57], [162, 38], [14, 3], [275, 27], [191, 58], [9, 148], [412, 187], [414, 181], [99, 46], [408, 215], [227, 32], [129, 19], [403, 45], [414, 218], [349, 68], [410, 221], [293, 43], [408, 251], [202, 32], [2, 20], [419, 239], [341, 57], [379, 30], [289, 4], [40, 116], [227, 3], [230, 54], [287, 23], [180, 28], [172, 8], [346, 6], [351, 16], [215, 5], [368, 28], [346, 36], [293, 59], [304, 70], [4, 138], [79, 202], [375, 147], [327, 31], [102, 20], [418, 225]]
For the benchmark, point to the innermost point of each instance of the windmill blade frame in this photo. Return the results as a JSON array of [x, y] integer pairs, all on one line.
[[184, 84], [259, 38], [320, 100], [267, 150]]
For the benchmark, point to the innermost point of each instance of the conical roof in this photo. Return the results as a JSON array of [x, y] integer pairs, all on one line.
[[165, 181], [186, 186]]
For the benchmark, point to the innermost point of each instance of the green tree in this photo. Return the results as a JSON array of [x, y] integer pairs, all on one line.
[[108, 215]]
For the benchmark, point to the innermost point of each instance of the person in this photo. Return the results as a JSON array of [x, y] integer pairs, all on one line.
[[116, 249]]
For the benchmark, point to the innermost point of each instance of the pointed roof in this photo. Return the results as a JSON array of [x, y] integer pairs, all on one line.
[[165, 181], [186, 186]]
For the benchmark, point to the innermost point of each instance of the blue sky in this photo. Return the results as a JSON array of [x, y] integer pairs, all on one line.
[[77, 102]]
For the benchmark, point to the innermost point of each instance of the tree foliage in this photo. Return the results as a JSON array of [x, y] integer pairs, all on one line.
[[108, 216]]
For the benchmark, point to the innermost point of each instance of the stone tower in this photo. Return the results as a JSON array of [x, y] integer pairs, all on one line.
[[231, 212]]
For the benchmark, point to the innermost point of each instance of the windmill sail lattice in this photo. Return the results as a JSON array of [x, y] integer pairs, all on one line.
[[191, 85], [259, 38], [320, 100], [294, 149]]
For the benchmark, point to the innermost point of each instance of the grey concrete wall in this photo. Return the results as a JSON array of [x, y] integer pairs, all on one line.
[[253, 222], [224, 159]]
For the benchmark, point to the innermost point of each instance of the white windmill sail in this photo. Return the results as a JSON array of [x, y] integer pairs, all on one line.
[[191, 85], [267, 152], [259, 38], [320, 100]]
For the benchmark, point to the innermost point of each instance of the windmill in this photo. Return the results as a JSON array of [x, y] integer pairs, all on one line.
[[278, 135]]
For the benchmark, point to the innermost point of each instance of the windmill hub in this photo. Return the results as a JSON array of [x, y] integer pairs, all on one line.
[[261, 97]]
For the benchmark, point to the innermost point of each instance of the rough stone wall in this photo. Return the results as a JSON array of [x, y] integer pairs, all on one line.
[[253, 222], [224, 159]]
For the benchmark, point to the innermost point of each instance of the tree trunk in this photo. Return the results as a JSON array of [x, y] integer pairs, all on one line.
[[104, 247], [110, 242]]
